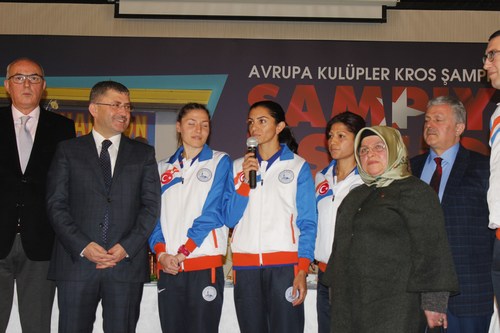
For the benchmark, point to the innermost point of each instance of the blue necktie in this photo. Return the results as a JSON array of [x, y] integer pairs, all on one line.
[[105, 162]]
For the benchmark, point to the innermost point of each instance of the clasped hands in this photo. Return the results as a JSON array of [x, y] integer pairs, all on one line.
[[170, 263], [104, 258]]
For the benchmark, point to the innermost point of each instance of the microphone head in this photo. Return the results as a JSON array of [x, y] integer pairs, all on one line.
[[252, 142]]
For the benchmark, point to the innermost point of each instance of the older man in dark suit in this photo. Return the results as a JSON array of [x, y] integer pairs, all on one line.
[[28, 136], [460, 178], [103, 201]]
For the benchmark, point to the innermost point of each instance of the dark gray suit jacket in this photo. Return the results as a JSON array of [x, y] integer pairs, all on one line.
[[77, 200], [466, 220]]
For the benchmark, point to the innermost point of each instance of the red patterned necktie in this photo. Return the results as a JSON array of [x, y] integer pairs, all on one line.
[[436, 176]]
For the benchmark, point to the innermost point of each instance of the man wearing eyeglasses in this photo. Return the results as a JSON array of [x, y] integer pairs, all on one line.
[[460, 178], [103, 202], [491, 61], [28, 136]]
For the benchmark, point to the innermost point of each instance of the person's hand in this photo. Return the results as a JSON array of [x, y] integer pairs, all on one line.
[[180, 257], [300, 286], [250, 163], [117, 252], [98, 255], [436, 319], [169, 263]]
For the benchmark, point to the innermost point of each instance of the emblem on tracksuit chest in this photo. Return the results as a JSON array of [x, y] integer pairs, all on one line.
[[204, 175], [323, 187], [286, 176], [241, 177], [168, 175]]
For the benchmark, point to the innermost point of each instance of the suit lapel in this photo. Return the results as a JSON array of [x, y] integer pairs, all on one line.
[[42, 134], [92, 157], [457, 172], [9, 140], [122, 158]]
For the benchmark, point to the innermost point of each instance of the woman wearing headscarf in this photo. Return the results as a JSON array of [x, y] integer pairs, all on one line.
[[391, 268]]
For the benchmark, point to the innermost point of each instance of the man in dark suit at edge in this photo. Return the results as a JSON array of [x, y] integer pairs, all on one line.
[[460, 178], [103, 200], [28, 135]]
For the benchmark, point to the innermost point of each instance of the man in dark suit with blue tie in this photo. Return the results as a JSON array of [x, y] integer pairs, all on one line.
[[29, 135], [460, 177], [103, 201]]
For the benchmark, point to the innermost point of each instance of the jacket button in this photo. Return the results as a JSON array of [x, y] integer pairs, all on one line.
[[100, 225], [109, 200], [24, 180]]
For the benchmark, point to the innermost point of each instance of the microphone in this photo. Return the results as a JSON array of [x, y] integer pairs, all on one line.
[[252, 144]]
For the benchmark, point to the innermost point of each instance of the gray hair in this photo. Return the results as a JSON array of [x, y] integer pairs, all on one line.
[[22, 59], [458, 108]]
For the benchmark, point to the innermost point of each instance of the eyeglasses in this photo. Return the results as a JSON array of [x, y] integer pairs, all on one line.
[[20, 78], [118, 106], [490, 56], [378, 148]]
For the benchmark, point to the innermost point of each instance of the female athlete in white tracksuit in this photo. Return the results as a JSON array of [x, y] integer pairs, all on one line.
[[274, 227], [190, 239], [333, 184]]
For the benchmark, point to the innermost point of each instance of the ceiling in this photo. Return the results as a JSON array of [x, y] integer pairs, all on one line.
[[277, 10], [403, 4]]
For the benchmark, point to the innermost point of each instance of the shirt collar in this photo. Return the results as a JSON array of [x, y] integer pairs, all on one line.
[[205, 154], [272, 158], [98, 138], [448, 156], [16, 114]]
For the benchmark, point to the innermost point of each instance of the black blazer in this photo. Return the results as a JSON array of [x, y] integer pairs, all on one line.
[[77, 200], [466, 219], [23, 196]]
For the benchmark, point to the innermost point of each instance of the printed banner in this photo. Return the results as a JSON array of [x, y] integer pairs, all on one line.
[[385, 82]]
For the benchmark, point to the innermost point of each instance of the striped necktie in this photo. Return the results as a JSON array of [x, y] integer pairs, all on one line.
[[436, 176]]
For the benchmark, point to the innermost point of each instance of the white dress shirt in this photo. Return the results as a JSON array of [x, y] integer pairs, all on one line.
[[32, 123], [113, 149]]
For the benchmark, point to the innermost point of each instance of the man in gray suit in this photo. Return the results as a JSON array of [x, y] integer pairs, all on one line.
[[103, 200]]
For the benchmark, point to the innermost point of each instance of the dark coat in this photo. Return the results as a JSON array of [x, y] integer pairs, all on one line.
[[466, 217], [390, 246], [77, 201], [23, 195]]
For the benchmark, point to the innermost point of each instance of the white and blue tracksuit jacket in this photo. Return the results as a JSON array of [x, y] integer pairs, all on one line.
[[192, 208], [275, 223], [329, 196]]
